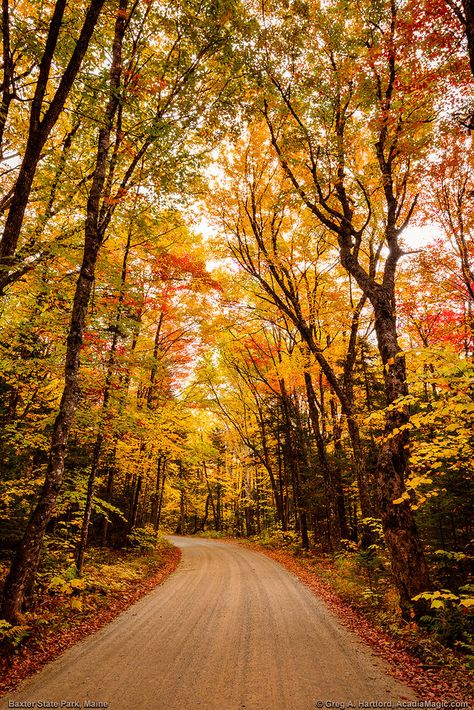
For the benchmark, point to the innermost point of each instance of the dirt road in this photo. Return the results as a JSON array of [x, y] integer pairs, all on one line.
[[229, 629]]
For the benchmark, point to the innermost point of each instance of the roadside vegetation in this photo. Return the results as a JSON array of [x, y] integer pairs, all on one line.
[[68, 607]]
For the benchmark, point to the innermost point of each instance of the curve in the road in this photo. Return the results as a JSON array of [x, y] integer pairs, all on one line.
[[230, 629]]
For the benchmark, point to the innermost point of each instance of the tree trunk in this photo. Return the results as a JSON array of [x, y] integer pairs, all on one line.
[[160, 499], [206, 514], [88, 505], [108, 498], [210, 498], [409, 567], [332, 488], [277, 490], [136, 499], [182, 514], [293, 463], [154, 367], [27, 555], [156, 494], [105, 407], [468, 7]]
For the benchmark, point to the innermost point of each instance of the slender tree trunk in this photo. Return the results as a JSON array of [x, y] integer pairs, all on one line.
[[277, 490], [330, 492], [142, 509], [211, 499], [293, 466], [368, 394], [89, 501], [7, 87], [202, 527], [108, 498], [160, 500], [257, 497], [154, 367], [181, 529], [218, 509], [468, 7], [135, 501], [156, 494]]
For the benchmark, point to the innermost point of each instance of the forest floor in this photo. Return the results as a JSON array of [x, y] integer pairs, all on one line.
[[414, 656], [67, 611]]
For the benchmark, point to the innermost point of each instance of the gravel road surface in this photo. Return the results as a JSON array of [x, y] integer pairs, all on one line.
[[229, 629]]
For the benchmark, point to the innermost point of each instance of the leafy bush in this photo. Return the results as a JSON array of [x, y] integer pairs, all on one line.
[[143, 539], [373, 526], [451, 617], [60, 585], [450, 568], [12, 635], [279, 538], [70, 585]]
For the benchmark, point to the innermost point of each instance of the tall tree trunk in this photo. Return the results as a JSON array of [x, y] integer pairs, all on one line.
[[206, 514], [88, 505], [104, 410], [7, 87], [408, 563], [108, 497], [160, 499], [211, 499], [218, 508], [27, 555], [277, 489], [156, 494], [154, 367], [181, 529], [28, 552], [467, 19], [365, 498]]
